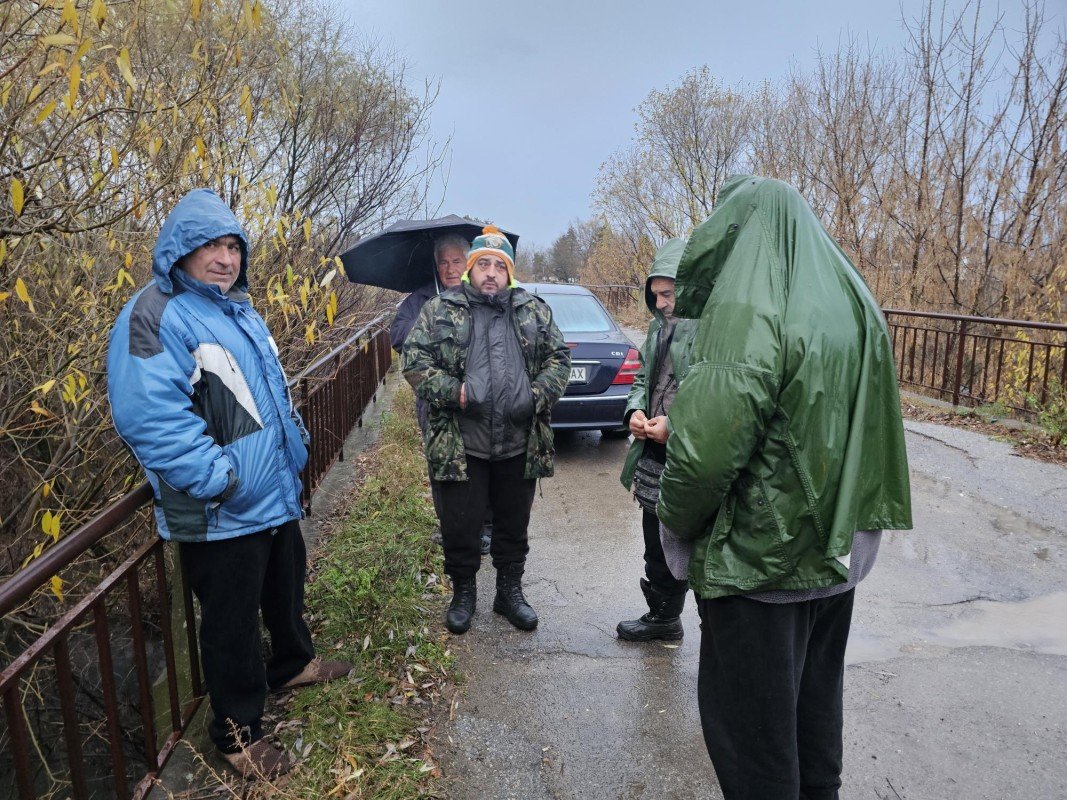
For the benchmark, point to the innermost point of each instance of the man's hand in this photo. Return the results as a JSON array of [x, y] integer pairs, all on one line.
[[463, 397], [656, 429], [637, 424]]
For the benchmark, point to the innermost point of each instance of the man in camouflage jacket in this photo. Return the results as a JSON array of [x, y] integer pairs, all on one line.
[[490, 362]]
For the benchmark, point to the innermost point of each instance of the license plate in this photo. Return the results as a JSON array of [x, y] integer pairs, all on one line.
[[578, 375]]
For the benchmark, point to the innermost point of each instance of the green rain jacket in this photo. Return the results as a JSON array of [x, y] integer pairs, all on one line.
[[786, 434], [665, 265], [434, 361]]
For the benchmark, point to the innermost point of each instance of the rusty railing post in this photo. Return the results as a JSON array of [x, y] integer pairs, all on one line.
[[962, 333]]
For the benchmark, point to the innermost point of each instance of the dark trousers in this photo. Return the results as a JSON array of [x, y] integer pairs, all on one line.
[[235, 579], [770, 692], [502, 486], [656, 569]]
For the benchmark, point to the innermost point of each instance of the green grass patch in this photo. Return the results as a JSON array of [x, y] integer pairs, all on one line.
[[374, 599]]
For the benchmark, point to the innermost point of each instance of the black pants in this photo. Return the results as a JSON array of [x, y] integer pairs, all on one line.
[[656, 569], [770, 691], [234, 579], [502, 486]]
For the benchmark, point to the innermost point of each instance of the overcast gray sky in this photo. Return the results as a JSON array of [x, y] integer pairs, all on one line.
[[536, 95]]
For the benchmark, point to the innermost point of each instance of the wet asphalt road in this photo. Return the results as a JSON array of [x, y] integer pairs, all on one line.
[[957, 678]]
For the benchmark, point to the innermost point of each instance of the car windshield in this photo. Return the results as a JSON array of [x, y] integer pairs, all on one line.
[[578, 312]]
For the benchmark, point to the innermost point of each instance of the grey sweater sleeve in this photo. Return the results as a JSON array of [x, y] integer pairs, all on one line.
[[864, 552]]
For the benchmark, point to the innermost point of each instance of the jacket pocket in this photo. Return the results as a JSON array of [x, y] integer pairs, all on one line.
[[521, 409], [236, 503], [747, 550], [185, 516]]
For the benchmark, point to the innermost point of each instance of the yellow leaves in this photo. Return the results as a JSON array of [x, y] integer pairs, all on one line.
[[70, 16], [194, 10], [17, 197], [58, 40], [51, 67], [123, 63], [3, 250], [23, 294], [309, 332], [305, 290], [46, 488], [307, 229], [272, 195], [45, 112], [201, 148], [35, 92], [251, 14], [331, 308], [74, 80], [114, 157], [82, 50], [45, 387], [246, 102], [37, 409], [50, 524], [98, 13], [57, 586], [75, 388], [5, 93]]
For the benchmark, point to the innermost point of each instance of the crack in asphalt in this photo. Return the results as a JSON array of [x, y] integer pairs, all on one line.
[[966, 454]]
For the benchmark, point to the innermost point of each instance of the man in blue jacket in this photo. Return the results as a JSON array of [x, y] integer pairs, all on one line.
[[198, 394]]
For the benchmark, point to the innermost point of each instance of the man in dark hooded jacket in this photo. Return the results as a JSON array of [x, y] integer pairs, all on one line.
[[491, 363], [786, 460], [664, 361], [199, 395]]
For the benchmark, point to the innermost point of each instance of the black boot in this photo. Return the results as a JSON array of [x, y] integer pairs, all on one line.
[[509, 598], [663, 620], [461, 609]]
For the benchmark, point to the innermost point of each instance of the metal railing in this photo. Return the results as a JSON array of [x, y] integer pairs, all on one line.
[[966, 360], [979, 360], [134, 740]]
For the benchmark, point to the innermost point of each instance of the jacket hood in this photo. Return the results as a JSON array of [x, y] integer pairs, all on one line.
[[198, 218], [664, 265], [712, 242]]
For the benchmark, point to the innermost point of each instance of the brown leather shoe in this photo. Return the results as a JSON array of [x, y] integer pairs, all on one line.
[[317, 671], [261, 759]]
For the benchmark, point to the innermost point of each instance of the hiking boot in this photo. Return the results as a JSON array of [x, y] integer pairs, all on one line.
[[487, 539], [260, 759], [316, 671], [509, 598], [663, 620], [461, 609]]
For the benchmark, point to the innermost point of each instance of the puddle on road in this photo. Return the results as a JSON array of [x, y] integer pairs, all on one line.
[[1038, 625]]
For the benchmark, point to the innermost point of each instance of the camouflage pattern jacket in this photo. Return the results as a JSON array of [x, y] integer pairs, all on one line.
[[435, 360]]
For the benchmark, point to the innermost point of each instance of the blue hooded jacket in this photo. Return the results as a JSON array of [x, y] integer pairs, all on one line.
[[199, 395]]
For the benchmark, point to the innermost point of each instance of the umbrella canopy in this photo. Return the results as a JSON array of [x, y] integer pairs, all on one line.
[[401, 256]]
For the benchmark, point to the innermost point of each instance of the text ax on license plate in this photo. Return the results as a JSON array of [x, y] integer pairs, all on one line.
[[578, 375]]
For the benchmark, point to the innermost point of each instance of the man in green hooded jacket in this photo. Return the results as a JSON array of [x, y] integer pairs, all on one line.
[[664, 360], [786, 460]]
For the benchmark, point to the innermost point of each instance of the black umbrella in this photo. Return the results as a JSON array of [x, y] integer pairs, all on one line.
[[401, 256]]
